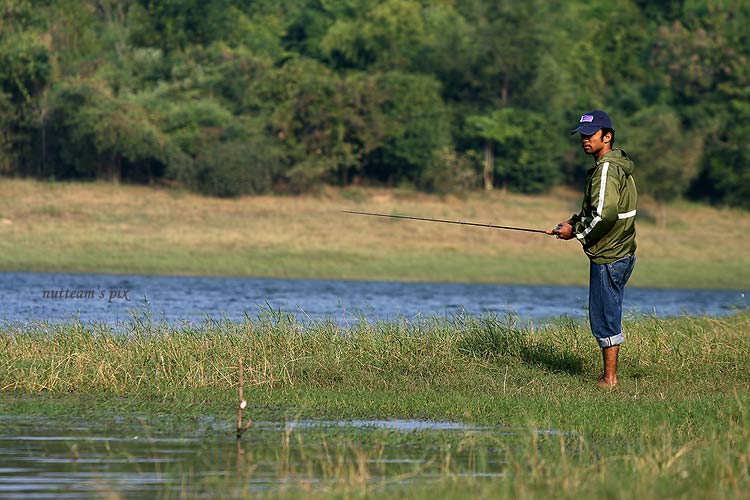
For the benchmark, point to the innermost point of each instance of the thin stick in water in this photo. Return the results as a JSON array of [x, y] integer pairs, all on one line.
[[240, 428]]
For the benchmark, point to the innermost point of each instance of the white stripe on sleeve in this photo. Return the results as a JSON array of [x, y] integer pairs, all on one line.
[[602, 188]]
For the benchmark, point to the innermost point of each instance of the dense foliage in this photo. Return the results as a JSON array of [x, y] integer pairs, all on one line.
[[236, 97]]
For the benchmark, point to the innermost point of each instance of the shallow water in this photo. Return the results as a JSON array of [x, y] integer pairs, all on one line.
[[42, 458], [26, 297]]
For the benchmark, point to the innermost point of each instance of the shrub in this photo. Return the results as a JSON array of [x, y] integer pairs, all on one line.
[[231, 169]]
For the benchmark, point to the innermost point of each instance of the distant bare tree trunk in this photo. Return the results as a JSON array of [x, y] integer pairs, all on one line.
[[489, 165], [113, 169], [505, 91], [118, 169], [43, 128], [504, 98], [662, 213]]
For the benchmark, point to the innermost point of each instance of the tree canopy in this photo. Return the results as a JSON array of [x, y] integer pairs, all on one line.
[[233, 97]]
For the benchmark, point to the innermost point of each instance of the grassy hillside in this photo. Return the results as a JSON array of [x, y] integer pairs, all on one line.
[[75, 227]]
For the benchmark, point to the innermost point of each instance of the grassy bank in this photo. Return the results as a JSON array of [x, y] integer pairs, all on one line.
[[678, 425], [75, 227]]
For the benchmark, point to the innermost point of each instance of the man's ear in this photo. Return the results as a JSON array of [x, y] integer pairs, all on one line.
[[606, 137]]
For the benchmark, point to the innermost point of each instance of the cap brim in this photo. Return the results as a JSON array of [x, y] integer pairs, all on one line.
[[586, 129]]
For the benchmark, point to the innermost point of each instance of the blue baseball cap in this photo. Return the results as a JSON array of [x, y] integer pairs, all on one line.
[[592, 121]]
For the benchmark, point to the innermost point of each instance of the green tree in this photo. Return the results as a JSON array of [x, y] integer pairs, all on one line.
[[416, 127], [341, 91], [384, 35], [327, 123], [705, 55], [236, 168], [725, 177], [97, 135], [498, 131], [503, 50], [174, 25], [664, 172], [25, 73], [8, 140], [499, 97]]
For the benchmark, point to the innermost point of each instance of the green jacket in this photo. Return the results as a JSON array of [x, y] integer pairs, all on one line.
[[606, 225]]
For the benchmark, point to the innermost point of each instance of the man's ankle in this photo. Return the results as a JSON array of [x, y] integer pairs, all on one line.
[[607, 382]]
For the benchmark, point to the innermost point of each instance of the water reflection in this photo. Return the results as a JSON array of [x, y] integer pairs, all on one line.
[[51, 459]]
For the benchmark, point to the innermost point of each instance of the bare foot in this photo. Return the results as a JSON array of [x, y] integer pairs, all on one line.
[[607, 383]]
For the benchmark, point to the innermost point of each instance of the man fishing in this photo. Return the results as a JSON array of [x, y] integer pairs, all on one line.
[[606, 229]]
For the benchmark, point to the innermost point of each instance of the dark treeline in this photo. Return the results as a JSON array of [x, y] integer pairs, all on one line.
[[234, 97]]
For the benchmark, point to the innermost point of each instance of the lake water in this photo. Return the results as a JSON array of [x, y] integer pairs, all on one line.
[[26, 297], [69, 458]]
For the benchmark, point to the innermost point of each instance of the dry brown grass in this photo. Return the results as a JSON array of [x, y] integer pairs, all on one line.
[[119, 228]]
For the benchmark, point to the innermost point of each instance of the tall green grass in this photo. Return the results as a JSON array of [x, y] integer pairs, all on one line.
[[463, 356], [677, 425]]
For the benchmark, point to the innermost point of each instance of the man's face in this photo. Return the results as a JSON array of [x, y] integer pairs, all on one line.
[[593, 144]]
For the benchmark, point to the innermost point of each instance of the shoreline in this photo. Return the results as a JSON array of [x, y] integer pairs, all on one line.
[[361, 280]]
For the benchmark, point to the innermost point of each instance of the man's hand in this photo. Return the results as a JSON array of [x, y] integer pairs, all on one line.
[[563, 231]]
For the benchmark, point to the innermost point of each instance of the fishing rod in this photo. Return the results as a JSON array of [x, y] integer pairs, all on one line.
[[493, 226]]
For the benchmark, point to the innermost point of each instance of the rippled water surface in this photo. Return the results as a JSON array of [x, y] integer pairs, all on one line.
[[111, 298], [42, 458]]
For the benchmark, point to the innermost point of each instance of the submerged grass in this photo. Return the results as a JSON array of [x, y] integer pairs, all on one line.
[[677, 425]]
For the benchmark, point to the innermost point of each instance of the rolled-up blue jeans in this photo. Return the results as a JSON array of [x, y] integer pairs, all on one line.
[[606, 289]]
